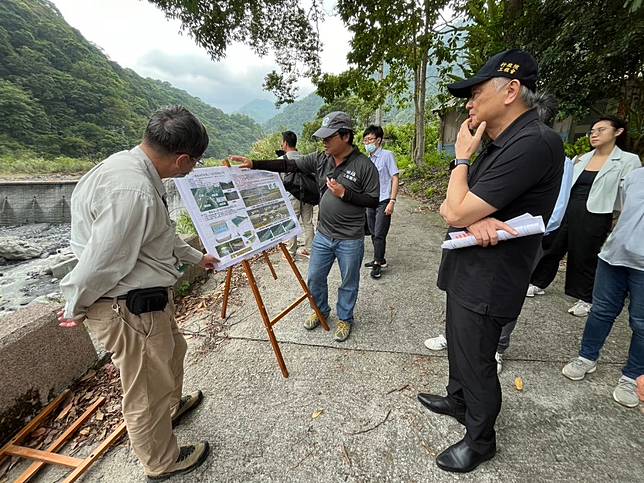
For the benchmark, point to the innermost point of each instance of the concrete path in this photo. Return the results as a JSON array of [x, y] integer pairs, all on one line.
[[348, 412]]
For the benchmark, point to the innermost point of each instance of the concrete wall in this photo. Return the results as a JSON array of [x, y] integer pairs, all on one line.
[[38, 360], [23, 202]]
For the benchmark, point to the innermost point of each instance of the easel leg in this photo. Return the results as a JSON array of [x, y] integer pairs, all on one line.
[[300, 279], [270, 265], [224, 305], [265, 317]]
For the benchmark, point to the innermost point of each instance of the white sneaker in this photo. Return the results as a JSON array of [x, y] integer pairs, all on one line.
[[499, 362], [436, 343], [534, 290], [577, 369], [580, 309], [625, 392]]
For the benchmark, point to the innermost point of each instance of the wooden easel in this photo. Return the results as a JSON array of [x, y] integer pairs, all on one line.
[[268, 323], [50, 456]]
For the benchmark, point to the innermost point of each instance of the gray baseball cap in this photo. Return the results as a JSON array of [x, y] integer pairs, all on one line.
[[332, 122]]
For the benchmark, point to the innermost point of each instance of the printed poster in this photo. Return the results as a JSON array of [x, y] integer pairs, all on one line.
[[238, 213]]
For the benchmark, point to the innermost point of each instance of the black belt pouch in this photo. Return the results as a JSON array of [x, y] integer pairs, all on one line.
[[144, 300]]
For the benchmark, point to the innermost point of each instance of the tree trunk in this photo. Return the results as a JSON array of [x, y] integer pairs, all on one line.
[[420, 88]]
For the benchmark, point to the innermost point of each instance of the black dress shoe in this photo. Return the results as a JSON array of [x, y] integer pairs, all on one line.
[[442, 405], [460, 458]]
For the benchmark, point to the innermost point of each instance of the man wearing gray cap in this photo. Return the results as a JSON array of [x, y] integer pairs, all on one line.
[[518, 171], [348, 183]]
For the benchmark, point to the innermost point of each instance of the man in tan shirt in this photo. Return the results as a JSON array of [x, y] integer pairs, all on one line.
[[128, 253]]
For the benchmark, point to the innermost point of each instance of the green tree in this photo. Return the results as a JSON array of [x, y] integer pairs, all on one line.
[[590, 52], [403, 35], [282, 27]]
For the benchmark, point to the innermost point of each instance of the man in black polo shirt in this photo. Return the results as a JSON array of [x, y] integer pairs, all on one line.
[[348, 183], [518, 171]]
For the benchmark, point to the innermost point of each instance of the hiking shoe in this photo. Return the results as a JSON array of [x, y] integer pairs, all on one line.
[[186, 404], [625, 392], [534, 290], [499, 362], [342, 331], [580, 309], [371, 263], [312, 322], [190, 458], [436, 343], [376, 271], [577, 369]]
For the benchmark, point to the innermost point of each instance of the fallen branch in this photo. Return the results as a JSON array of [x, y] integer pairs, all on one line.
[[373, 427], [398, 390]]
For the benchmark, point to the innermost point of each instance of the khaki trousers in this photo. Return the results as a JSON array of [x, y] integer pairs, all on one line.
[[304, 212], [148, 350]]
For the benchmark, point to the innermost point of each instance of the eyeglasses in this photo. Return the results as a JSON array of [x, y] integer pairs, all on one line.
[[195, 161], [369, 140], [599, 130]]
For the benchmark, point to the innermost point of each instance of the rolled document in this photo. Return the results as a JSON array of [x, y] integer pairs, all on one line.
[[525, 224]]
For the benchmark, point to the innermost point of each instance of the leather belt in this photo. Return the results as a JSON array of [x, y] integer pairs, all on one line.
[[118, 297]]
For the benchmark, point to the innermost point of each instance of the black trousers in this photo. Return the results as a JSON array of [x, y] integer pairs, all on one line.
[[379, 224], [472, 340], [581, 235]]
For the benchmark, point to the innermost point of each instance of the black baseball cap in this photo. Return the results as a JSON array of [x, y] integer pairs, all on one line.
[[513, 64], [333, 122]]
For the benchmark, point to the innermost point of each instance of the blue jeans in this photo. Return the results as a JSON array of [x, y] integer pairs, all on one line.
[[349, 254], [612, 285]]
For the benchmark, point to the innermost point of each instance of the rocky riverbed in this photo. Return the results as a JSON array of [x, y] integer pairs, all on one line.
[[27, 255]]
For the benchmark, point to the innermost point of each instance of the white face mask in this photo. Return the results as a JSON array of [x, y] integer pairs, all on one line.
[[371, 148]]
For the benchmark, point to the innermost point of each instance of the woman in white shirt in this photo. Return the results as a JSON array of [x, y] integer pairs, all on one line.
[[597, 178]]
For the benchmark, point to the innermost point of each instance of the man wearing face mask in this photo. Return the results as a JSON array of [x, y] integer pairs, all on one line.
[[379, 218], [128, 254]]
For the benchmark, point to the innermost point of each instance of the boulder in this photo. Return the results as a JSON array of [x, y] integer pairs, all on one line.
[[15, 249]]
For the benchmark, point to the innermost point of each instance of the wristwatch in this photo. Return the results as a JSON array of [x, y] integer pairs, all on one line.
[[456, 162]]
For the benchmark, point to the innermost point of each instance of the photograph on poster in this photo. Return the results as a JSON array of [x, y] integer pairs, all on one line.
[[238, 213]]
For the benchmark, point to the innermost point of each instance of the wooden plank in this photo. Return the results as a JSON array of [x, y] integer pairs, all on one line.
[[304, 286], [24, 432], [104, 446], [224, 305], [284, 312], [47, 457], [270, 265], [265, 317], [61, 440]]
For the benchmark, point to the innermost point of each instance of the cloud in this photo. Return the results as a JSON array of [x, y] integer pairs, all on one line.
[[216, 83]]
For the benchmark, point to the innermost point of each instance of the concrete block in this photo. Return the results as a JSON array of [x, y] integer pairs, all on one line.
[[38, 360], [61, 269]]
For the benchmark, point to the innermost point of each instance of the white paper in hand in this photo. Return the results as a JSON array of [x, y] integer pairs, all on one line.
[[525, 224]]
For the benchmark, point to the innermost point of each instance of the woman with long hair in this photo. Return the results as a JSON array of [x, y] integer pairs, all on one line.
[[597, 178]]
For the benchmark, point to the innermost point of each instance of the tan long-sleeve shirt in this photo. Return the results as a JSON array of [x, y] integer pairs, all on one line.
[[121, 233]]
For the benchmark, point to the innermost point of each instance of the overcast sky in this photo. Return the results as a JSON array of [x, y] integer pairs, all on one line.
[[136, 34]]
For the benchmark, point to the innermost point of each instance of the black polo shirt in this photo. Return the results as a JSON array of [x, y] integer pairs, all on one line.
[[519, 172], [338, 218]]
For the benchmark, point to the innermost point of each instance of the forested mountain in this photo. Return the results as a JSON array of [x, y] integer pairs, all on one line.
[[293, 116], [60, 95], [259, 110]]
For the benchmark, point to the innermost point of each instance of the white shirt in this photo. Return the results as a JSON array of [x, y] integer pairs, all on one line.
[[121, 233]]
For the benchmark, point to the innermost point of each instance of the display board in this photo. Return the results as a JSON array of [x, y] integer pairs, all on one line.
[[238, 213]]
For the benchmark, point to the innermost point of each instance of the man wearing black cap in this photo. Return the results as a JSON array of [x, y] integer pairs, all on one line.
[[518, 171], [348, 183]]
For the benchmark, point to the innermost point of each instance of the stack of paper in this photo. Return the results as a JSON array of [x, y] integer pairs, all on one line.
[[525, 224]]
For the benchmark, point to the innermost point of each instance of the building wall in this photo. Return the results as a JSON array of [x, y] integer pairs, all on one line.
[[23, 202]]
